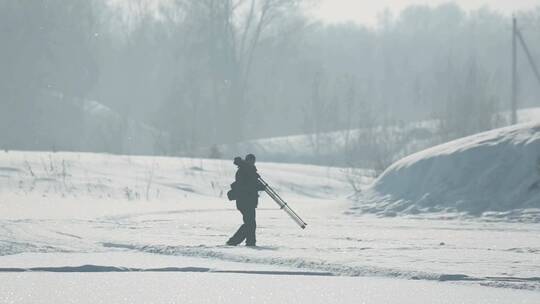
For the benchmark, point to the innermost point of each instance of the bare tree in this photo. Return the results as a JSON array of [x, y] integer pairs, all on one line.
[[235, 29]]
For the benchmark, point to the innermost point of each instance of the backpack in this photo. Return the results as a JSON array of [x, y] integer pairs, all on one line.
[[231, 194]]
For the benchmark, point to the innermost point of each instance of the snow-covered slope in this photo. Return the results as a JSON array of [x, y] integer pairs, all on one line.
[[336, 148], [68, 181], [332, 148], [496, 171]]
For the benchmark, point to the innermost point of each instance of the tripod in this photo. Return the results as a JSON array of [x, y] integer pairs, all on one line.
[[282, 204]]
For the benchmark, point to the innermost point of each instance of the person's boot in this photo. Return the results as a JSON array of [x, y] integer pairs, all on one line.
[[251, 242], [238, 237], [231, 243]]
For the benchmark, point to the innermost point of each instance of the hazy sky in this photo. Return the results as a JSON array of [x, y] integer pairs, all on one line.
[[365, 11]]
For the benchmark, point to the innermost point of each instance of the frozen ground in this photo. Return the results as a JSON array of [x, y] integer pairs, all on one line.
[[93, 228], [233, 288]]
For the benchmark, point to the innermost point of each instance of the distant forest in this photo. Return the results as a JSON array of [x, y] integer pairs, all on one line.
[[96, 75]]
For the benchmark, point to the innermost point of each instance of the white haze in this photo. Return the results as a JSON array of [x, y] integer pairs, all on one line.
[[119, 120], [366, 12]]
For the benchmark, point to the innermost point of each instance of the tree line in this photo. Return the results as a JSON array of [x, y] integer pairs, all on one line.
[[202, 72]]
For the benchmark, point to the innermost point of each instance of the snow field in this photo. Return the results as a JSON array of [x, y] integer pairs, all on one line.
[[123, 216]]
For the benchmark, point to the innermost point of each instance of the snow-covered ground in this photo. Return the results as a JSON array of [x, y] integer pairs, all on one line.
[[495, 174], [96, 228], [406, 138]]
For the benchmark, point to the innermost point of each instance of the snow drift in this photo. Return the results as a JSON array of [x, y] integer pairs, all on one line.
[[490, 173]]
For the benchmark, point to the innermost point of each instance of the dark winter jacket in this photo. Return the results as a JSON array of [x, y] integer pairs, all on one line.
[[247, 186]]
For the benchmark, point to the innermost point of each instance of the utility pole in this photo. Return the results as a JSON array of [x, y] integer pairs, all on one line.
[[516, 35], [514, 70], [532, 63]]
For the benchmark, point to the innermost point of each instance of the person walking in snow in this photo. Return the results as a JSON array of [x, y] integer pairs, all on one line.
[[245, 191]]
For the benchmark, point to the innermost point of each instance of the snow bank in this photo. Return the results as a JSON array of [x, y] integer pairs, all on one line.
[[491, 173]]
